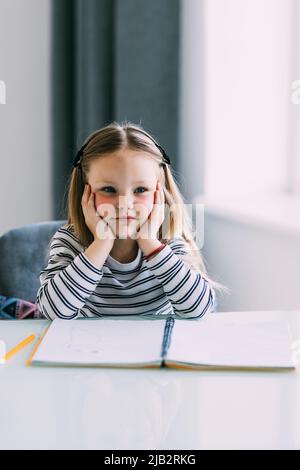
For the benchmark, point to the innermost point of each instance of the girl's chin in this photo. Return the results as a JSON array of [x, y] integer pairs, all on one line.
[[126, 221], [128, 231]]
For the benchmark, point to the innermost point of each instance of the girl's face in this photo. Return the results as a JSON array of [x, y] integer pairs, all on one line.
[[124, 183]]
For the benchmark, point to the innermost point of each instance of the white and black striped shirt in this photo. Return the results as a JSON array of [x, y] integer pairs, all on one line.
[[72, 287]]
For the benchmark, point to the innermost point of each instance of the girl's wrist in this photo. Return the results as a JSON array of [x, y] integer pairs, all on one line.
[[155, 252], [152, 248], [148, 245], [97, 252]]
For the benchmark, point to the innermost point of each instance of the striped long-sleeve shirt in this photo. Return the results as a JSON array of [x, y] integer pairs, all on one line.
[[72, 286]]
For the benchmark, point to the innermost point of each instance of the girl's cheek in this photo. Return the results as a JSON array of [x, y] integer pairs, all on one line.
[[106, 207], [101, 199], [144, 207], [148, 200]]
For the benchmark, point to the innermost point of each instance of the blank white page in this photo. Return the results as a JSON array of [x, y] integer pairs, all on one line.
[[97, 341], [245, 345]]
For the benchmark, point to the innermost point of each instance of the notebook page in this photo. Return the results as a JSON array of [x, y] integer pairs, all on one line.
[[245, 345], [101, 342]]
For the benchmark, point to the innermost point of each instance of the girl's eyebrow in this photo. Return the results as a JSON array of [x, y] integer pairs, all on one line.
[[112, 182]]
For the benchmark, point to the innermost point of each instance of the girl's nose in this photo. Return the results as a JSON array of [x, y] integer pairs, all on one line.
[[125, 202]]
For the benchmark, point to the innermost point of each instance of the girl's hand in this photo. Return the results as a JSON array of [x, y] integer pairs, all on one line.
[[148, 230], [97, 226]]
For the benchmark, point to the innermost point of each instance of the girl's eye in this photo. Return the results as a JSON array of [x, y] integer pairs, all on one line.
[[107, 187], [141, 187], [110, 187]]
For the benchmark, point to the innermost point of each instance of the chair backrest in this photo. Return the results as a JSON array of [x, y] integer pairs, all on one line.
[[24, 253]]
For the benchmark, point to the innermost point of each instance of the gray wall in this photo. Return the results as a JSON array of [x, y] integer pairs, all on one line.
[[259, 265], [191, 126], [25, 118]]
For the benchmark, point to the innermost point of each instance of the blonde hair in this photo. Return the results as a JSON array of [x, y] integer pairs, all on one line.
[[115, 137]]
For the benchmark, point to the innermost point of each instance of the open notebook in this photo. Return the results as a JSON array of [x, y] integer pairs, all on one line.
[[193, 344]]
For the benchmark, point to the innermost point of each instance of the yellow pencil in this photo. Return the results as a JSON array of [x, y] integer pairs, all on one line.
[[18, 347], [29, 360]]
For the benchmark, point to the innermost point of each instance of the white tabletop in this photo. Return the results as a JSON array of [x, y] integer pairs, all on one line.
[[94, 408]]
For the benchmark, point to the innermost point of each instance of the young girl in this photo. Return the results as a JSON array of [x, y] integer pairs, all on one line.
[[112, 257]]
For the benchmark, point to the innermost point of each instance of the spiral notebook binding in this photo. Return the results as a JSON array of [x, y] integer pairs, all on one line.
[[167, 338]]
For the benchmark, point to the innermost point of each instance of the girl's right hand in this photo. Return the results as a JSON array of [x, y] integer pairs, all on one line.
[[97, 226]]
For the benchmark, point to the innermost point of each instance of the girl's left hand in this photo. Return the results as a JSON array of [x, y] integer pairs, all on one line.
[[149, 229]]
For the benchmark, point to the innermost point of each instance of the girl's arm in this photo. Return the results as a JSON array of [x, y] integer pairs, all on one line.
[[70, 277], [188, 291]]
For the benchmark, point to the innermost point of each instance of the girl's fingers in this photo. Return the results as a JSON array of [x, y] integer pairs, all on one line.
[[90, 196], [91, 199], [85, 194], [159, 196], [158, 193], [161, 193], [154, 197]]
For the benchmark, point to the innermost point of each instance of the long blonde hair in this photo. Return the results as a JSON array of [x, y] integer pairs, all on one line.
[[115, 137]]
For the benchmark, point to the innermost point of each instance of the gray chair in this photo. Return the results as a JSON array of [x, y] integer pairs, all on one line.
[[24, 253]]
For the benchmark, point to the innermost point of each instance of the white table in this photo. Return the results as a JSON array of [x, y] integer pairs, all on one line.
[[77, 408]]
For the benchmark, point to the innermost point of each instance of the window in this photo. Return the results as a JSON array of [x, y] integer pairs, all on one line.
[[293, 171], [240, 142], [247, 96]]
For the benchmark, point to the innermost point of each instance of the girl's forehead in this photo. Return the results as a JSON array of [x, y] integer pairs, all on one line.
[[128, 157], [122, 164]]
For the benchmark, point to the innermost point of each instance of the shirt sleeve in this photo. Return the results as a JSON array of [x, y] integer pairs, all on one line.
[[188, 291], [67, 281]]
